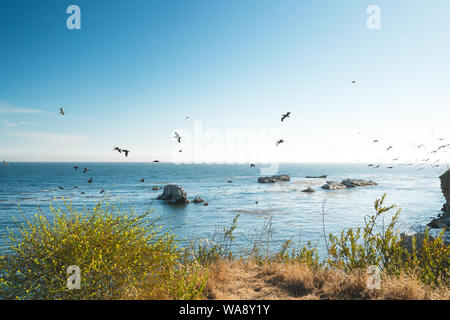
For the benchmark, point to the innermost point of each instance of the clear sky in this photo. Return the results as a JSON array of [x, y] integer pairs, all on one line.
[[136, 69]]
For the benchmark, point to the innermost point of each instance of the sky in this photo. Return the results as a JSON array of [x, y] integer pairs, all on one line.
[[136, 69]]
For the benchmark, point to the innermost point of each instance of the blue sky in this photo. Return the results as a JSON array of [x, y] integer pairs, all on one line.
[[136, 69]]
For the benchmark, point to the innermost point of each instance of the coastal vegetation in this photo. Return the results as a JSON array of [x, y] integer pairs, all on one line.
[[124, 255]]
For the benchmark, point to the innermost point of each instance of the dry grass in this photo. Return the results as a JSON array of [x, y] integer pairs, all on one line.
[[244, 279]]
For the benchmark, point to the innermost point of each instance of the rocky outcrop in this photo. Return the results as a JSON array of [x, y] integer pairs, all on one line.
[[316, 177], [347, 183], [174, 194], [443, 220], [273, 179], [308, 190], [353, 183], [445, 187], [333, 185]]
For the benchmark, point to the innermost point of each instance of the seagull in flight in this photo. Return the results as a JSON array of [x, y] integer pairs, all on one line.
[[279, 141], [126, 152], [284, 116], [389, 148], [177, 136], [252, 165], [61, 111], [117, 149], [375, 141]]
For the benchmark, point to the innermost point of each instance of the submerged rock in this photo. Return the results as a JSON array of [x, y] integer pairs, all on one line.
[[174, 194], [273, 179], [309, 190], [198, 200], [316, 177]]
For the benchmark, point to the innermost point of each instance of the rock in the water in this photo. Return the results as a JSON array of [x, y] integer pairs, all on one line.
[[272, 179], [174, 194], [205, 203], [198, 200], [333, 185], [309, 190], [316, 177], [407, 241], [156, 188], [352, 183]]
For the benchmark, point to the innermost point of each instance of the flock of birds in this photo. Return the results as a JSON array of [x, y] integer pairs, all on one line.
[[434, 164], [284, 116]]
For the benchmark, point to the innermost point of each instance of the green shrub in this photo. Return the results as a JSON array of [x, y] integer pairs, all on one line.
[[382, 245], [119, 256]]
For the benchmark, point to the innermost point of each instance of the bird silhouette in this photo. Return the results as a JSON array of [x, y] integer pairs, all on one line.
[[279, 141], [284, 116], [186, 118], [85, 170], [375, 141], [177, 136], [126, 152], [389, 148], [252, 165], [61, 111], [60, 187], [353, 81], [90, 180], [75, 167], [117, 149]]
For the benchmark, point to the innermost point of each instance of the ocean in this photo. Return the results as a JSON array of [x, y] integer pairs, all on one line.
[[291, 213]]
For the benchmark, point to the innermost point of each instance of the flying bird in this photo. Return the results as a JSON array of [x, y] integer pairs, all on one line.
[[375, 141], [284, 116], [389, 148], [90, 180], [279, 141], [117, 149], [126, 152], [177, 136], [353, 81], [186, 118], [60, 187], [61, 111], [252, 165]]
